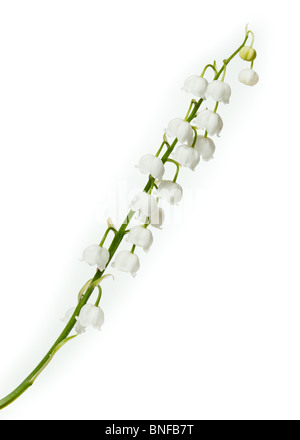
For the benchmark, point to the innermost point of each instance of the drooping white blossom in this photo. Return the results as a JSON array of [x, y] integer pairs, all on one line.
[[205, 147], [78, 327], [219, 91], [209, 121], [180, 129], [127, 262], [150, 164], [196, 85], [187, 156], [91, 315], [140, 236], [144, 203], [170, 191], [248, 77], [95, 255]]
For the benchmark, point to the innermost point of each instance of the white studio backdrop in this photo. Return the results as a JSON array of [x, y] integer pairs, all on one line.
[[209, 328]]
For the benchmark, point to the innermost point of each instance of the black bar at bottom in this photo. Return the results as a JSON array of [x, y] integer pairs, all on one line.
[[148, 428]]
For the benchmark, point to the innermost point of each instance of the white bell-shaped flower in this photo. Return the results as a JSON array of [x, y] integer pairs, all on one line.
[[144, 203], [78, 327], [91, 315], [170, 191], [209, 121], [205, 147], [140, 236], [196, 85], [187, 156], [180, 129], [96, 255], [150, 164], [219, 91], [127, 262], [157, 218], [248, 77]]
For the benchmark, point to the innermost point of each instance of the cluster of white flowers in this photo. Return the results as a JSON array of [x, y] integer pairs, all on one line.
[[190, 151], [193, 146], [187, 141]]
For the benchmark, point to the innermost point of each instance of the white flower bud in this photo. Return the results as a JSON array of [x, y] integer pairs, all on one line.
[[196, 85], [219, 91], [205, 147], [91, 315], [127, 262], [157, 218], [248, 77], [96, 255], [180, 129], [140, 236], [187, 156], [170, 191], [209, 121], [78, 327], [150, 164], [144, 203]]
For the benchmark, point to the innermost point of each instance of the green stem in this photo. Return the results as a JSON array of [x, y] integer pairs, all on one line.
[[177, 168], [224, 72], [206, 67], [119, 235], [99, 296], [195, 137], [193, 102], [110, 228], [252, 34], [68, 328], [216, 107], [161, 147]]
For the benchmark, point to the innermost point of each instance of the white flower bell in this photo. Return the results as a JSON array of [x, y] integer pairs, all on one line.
[[187, 156], [91, 315], [219, 91], [180, 129], [170, 191], [157, 218], [209, 121], [196, 85], [78, 327], [248, 77], [150, 164], [205, 147], [127, 262], [96, 255], [140, 236], [144, 203]]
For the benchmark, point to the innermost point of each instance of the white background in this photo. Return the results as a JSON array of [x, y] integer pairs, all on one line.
[[209, 329]]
